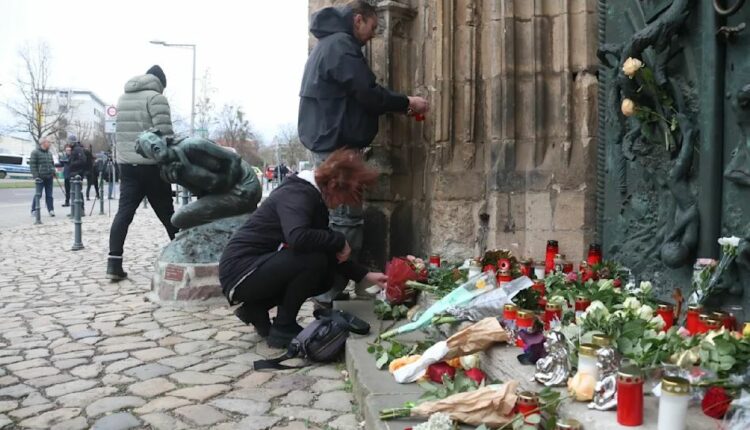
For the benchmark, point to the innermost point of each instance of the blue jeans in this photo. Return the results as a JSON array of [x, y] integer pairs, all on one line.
[[348, 220], [44, 185]]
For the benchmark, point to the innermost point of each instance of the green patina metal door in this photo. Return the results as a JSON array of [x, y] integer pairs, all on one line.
[[674, 162]]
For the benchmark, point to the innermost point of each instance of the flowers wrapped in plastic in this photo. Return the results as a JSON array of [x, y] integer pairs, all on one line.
[[479, 284], [491, 405]]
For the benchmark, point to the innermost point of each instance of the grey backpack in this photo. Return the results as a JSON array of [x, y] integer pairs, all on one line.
[[322, 341]]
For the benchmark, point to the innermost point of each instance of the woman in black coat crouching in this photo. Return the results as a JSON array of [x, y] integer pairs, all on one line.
[[285, 253]]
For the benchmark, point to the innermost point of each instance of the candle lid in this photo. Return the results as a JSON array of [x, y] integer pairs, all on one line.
[[528, 398], [675, 385], [523, 313], [601, 340], [551, 243], [582, 299], [695, 308], [712, 322], [665, 307], [703, 317], [510, 307], [553, 306], [630, 375], [719, 315], [588, 349], [568, 424]]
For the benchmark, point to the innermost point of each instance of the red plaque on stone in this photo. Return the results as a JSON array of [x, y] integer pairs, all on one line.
[[174, 273]]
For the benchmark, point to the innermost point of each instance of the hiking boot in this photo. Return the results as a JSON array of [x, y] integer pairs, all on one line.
[[255, 316], [280, 335], [114, 269]]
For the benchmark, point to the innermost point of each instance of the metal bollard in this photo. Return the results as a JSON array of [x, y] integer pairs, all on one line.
[[185, 196], [77, 209], [38, 202], [101, 195]]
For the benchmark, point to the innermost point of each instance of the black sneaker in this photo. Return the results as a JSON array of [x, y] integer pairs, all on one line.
[[255, 316], [281, 335]]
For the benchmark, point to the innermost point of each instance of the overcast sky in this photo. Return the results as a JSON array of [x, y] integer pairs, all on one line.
[[255, 49]]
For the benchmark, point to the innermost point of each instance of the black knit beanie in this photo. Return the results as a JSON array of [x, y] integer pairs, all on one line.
[[159, 73]]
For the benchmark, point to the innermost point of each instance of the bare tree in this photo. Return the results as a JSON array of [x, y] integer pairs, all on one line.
[[205, 118], [31, 109], [84, 130], [290, 149], [235, 131]]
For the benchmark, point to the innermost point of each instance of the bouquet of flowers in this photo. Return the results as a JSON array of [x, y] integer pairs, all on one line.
[[400, 270]]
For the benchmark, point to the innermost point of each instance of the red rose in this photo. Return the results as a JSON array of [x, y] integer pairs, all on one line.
[[716, 402], [476, 375], [436, 371], [617, 283]]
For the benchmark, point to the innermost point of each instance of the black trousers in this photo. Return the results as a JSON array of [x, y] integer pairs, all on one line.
[[137, 182], [92, 180], [67, 191], [286, 280]]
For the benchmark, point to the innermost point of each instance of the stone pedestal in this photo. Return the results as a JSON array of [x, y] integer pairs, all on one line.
[[188, 268]]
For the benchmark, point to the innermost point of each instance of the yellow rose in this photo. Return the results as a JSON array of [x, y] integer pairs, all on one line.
[[628, 107], [581, 386], [631, 67]]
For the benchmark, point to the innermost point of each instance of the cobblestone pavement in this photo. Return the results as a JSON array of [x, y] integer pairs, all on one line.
[[77, 351]]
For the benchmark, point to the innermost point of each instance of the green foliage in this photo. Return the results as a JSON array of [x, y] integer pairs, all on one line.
[[387, 351], [386, 311], [724, 353], [528, 299], [459, 384]]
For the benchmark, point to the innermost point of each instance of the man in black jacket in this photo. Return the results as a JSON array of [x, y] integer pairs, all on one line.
[[77, 164], [340, 101]]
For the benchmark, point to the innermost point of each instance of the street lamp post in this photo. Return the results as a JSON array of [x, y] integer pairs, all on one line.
[[192, 97]]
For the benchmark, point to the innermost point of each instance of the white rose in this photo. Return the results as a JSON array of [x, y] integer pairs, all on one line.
[[657, 322], [606, 284], [631, 66], [646, 312], [733, 241], [631, 303], [627, 107], [597, 308], [646, 287]]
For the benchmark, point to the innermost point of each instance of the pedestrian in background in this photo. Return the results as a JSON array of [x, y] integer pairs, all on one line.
[[92, 174], [340, 101], [140, 108], [43, 171], [65, 162], [108, 172]]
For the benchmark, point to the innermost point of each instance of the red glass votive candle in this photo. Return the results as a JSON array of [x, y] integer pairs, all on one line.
[[594, 256], [524, 320], [549, 257], [582, 303], [503, 277], [691, 320], [713, 324], [567, 267], [539, 287], [434, 261], [727, 320], [552, 311], [526, 268], [527, 403], [630, 397], [666, 312], [509, 312], [702, 327]]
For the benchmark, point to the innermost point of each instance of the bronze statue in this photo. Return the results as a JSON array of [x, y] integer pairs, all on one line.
[[224, 184]]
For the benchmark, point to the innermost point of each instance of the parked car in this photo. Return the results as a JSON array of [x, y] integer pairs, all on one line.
[[14, 165]]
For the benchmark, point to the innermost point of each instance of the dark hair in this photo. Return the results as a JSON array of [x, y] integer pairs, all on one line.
[[344, 176], [361, 7]]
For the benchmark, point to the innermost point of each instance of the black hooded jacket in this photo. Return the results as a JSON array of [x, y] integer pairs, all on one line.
[[339, 100]]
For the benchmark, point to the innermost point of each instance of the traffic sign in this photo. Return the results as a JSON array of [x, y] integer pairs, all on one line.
[[111, 112], [110, 126]]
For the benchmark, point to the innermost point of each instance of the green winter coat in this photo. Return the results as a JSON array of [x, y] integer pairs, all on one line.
[[141, 107], [41, 164]]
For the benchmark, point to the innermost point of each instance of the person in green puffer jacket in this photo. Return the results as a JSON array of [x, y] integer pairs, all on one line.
[[43, 171], [140, 108]]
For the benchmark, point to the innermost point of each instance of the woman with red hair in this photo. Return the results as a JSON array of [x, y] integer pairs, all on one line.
[[285, 253]]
